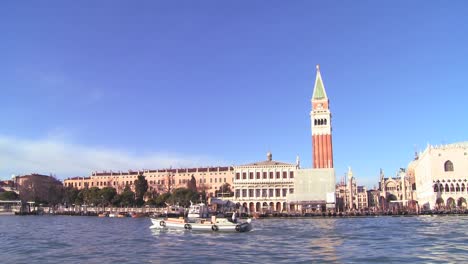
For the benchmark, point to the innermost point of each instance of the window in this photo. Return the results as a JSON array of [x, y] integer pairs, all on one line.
[[251, 192], [264, 175], [257, 192], [244, 193], [285, 191], [291, 191], [277, 175], [244, 175], [264, 192], [271, 175], [237, 193], [251, 175], [448, 166], [285, 174], [291, 174], [237, 176], [257, 175], [277, 193], [270, 193]]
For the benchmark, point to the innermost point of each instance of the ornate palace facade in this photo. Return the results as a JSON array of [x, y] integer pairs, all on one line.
[[441, 176]]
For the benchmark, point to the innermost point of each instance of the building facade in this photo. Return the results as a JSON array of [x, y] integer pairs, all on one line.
[[209, 179], [350, 196], [395, 192], [440, 175], [264, 186]]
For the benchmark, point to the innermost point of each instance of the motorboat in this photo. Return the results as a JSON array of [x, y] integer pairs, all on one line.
[[197, 220], [201, 224]]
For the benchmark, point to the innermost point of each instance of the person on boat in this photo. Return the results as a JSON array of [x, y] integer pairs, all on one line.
[[234, 218]]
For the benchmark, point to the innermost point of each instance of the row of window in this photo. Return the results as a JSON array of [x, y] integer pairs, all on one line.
[[185, 175], [265, 175], [447, 188], [98, 184], [320, 122], [264, 192]]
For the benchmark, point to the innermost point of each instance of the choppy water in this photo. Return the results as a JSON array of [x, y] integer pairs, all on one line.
[[72, 239]]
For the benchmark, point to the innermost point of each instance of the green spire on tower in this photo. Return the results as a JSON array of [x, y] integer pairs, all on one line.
[[319, 88]]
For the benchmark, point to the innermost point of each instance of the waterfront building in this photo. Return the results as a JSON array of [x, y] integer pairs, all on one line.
[[263, 186], [395, 192], [208, 179], [350, 196], [8, 186], [38, 187], [440, 175], [294, 188]]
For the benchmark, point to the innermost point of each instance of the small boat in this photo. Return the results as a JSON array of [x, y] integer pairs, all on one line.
[[196, 220], [122, 214], [103, 215], [137, 215], [201, 224], [112, 215]]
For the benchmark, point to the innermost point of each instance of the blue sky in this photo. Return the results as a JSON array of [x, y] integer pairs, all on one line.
[[117, 85]]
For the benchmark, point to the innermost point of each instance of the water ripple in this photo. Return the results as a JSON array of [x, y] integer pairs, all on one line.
[[59, 239]]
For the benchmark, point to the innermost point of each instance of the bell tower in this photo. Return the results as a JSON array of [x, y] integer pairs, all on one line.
[[320, 118]]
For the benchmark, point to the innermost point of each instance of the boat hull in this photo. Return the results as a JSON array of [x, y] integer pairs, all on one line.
[[197, 226]]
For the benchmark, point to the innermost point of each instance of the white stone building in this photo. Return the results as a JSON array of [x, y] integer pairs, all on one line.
[[441, 176], [263, 186]]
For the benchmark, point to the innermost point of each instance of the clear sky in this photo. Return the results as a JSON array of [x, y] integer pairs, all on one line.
[[118, 85]]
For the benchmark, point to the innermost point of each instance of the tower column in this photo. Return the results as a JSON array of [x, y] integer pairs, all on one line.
[[326, 154], [320, 118], [314, 144]]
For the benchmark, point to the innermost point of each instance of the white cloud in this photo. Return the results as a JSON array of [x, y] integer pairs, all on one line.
[[54, 155]]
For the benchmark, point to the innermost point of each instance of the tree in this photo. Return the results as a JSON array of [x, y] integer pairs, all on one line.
[[92, 196], [70, 195], [141, 186], [127, 197], [224, 190], [107, 195], [9, 195], [192, 184], [162, 199], [183, 196]]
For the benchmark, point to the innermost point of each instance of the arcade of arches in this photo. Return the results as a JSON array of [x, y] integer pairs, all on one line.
[[454, 190]]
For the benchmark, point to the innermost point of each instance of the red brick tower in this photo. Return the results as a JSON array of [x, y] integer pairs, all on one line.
[[320, 118]]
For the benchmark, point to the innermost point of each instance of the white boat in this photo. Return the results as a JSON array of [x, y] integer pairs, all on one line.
[[197, 221], [201, 224]]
